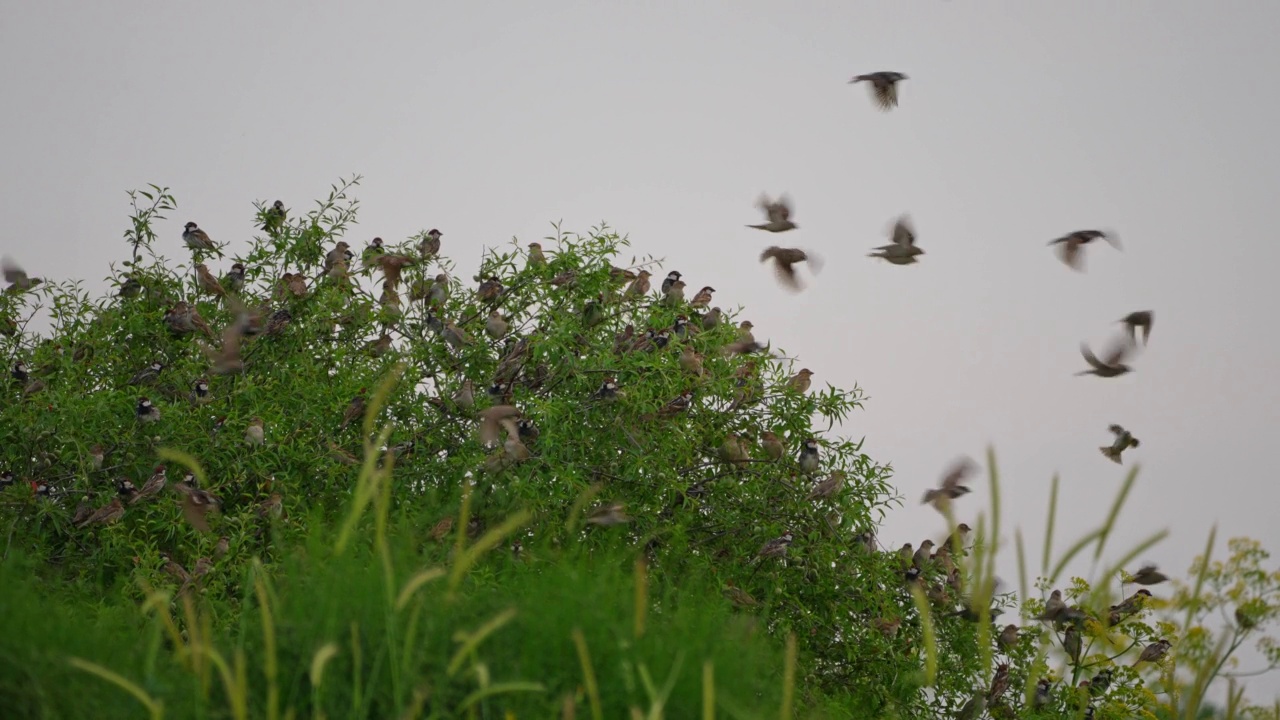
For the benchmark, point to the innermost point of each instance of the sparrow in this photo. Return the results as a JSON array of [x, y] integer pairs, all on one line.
[[196, 505], [593, 311], [1154, 652], [536, 258], [513, 449], [175, 570], [1099, 683], [19, 372], [273, 506], [234, 281], [809, 456], [291, 284], [342, 456], [999, 683], [379, 345], [1071, 243], [337, 259], [1071, 644], [226, 359], [739, 597], [673, 295], [392, 266], [439, 290], [921, 555], [197, 239], [464, 396], [222, 548], [608, 515], [97, 455], [104, 515], [430, 244], [678, 405], [278, 321], [130, 288], [490, 419], [903, 250], [800, 382], [184, 318], [957, 540], [146, 411], [746, 342], [567, 277], [779, 214], [1112, 365], [255, 434], [703, 298], [1054, 607], [369, 256], [691, 361], [390, 300], [440, 529], [905, 555], [528, 431], [17, 278], [638, 287], [773, 447], [681, 328], [273, 217], [500, 392], [1141, 319], [884, 87], [152, 486], [1130, 605], [829, 487], [490, 289], [455, 336], [125, 489], [672, 278], [82, 513], [776, 547], [355, 409], [784, 259], [207, 282], [1124, 440], [1041, 697], [711, 319], [1148, 575], [147, 375], [1008, 637], [733, 451], [608, 391], [495, 327], [887, 628], [949, 488]]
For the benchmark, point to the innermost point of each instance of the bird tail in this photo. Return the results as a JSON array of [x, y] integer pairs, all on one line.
[[1111, 453], [759, 227]]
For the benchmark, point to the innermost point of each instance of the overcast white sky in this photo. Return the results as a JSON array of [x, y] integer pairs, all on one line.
[[1020, 121]]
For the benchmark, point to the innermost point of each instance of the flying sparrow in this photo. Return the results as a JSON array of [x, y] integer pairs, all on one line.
[[1124, 440], [950, 488], [779, 214], [17, 278], [1148, 575], [902, 250], [1141, 319], [1112, 365], [607, 515], [1072, 242], [884, 87], [490, 422], [225, 360], [784, 259]]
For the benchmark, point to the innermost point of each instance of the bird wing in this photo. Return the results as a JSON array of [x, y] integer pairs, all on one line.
[[902, 233], [1090, 358], [1118, 351], [13, 273]]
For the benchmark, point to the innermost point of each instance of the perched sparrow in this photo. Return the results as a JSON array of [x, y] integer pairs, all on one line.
[[130, 288], [829, 487], [800, 382], [1128, 607], [1148, 575], [490, 290], [234, 281], [255, 434], [1041, 697], [733, 451], [512, 447], [125, 489], [593, 311], [528, 431], [500, 392], [221, 549], [921, 555], [809, 456], [440, 529], [673, 295], [490, 422], [97, 455], [207, 282], [711, 319], [464, 396], [607, 515], [887, 628], [999, 683], [1054, 607], [1112, 365], [1124, 440], [273, 506], [1008, 637], [369, 256], [146, 411], [956, 541], [1072, 242], [773, 447], [355, 409], [608, 391], [278, 321], [678, 405], [147, 375], [197, 239], [739, 597], [1141, 319], [1099, 683], [496, 326], [776, 547], [703, 298], [337, 453], [903, 250], [1154, 652], [183, 318], [672, 278], [378, 346], [273, 217], [17, 278], [568, 277], [950, 488], [455, 336], [430, 244], [691, 361], [292, 284], [784, 259], [201, 567], [884, 87], [104, 515], [906, 555], [82, 513], [536, 258], [152, 486], [390, 300], [779, 214], [1071, 644], [639, 287], [20, 373], [337, 258]]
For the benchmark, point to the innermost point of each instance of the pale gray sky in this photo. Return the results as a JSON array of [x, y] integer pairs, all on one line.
[[1020, 121]]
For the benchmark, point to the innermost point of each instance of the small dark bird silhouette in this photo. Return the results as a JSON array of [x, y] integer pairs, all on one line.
[[1124, 440], [884, 87], [784, 259], [903, 250], [1112, 365], [1148, 575], [779, 213], [1072, 242], [1141, 319]]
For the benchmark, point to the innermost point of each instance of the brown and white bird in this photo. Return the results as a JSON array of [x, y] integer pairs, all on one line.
[[152, 486], [800, 382], [147, 375], [1154, 652], [703, 298], [884, 87], [208, 284], [292, 284], [183, 318], [430, 244], [197, 239], [1054, 607], [455, 336], [672, 278], [828, 487], [922, 554], [490, 290], [496, 326], [97, 455], [146, 411], [999, 683], [255, 434], [1148, 575], [355, 409], [776, 547], [638, 287], [809, 456], [1140, 319], [608, 515], [1124, 440], [773, 447], [225, 359], [234, 281], [491, 422], [607, 392], [711, 319], [536, 257], [680, 404], [956, 541], [104, 515], [17, 278], [1112, 364], [273, 217], [733, 450], [1118, 613], [196, 505], [673, 295], [337, 261], [1072, 243], [1071, 644], [903, 249], [784, 260], [779, 214], [950, 487], [1008, 638], [465, 397], [691, 361]]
